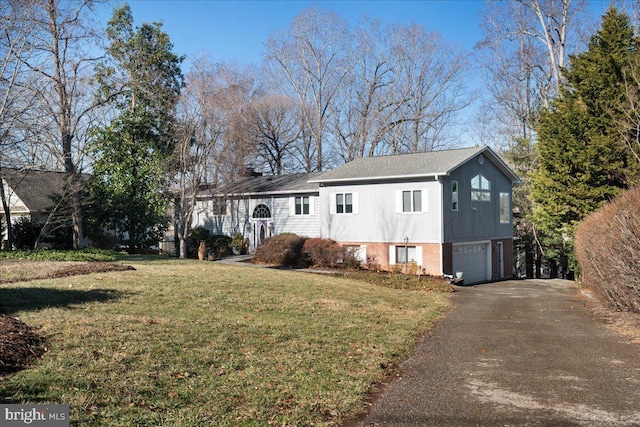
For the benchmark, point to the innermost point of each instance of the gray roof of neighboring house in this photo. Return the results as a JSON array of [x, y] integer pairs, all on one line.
[[35, 187], [267, 184], [403, 166]]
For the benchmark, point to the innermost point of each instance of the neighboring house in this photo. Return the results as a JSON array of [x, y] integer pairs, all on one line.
[[449, 211], [30, 193]]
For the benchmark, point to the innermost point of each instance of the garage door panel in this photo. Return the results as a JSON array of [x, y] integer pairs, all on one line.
[[473, 260]]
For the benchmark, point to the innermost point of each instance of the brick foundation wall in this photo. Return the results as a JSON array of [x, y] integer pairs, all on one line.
[[379, 253]]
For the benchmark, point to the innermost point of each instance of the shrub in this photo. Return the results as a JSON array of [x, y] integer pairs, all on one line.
[[323, 252], [607, 245], [218, 244], [283, 250], [25, 233]]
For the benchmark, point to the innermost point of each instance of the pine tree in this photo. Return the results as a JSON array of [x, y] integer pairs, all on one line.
[[582, 160]]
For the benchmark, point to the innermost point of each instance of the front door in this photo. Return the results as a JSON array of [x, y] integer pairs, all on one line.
[[260, 231], [260, 221]]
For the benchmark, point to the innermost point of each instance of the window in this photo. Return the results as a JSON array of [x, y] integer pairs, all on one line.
[[480, 189], [344, 203], [402, 253], [505, 208], [411, 201], [262, 211], [219, 207], [302, 205], [454, 195]]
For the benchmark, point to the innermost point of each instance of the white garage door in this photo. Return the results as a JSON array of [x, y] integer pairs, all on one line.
[[473, 260]]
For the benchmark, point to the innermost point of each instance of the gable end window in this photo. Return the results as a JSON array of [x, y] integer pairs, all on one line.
[[480, 189]]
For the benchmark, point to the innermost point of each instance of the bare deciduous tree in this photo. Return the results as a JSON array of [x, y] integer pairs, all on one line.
[[16, 29], [371, 95], [310, 61], [274, 124], [433, 73], [63, 63]]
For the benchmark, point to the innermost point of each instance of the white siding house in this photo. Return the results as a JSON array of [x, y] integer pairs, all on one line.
[[30, 194], [259, 207], [449, 211]]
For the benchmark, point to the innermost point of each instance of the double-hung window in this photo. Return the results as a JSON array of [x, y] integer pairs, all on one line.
[[302, 205], [480, 189], [412, 201], [344, 203]]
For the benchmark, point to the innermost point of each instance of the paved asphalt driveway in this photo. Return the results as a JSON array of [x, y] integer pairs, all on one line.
[[516, 353]]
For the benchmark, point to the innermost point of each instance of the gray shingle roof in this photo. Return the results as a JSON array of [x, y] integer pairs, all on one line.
[[430, 164], [268, 184], [34, 187]]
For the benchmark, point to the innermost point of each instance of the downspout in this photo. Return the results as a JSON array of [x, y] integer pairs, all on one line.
[[442, 208]]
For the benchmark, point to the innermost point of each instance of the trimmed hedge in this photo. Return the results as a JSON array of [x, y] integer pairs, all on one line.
[[607, 245]]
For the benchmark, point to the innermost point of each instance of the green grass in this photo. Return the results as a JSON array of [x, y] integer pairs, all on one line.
[[59, 255], [187, 343]]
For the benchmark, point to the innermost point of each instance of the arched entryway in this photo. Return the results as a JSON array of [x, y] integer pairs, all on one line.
[[261, 226]]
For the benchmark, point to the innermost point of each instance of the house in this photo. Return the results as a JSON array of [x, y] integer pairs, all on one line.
[[448, 211], [259, 207], [30, 193]]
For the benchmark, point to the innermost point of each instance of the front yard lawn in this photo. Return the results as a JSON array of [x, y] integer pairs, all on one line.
[[187, 343]]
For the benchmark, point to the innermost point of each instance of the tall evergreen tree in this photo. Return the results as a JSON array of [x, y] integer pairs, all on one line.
[[132, 153], [582, 160]]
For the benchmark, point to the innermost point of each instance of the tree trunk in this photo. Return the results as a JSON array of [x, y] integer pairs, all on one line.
[[528, 260], [538, 264], [76, 214], [7, 216], [183, 247]]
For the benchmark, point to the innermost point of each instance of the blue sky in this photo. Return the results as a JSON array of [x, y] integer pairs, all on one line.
[[237, 30]]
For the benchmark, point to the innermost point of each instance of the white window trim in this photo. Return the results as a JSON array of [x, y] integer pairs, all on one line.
[[292, 206], [354, 203], [508, 207], [392, 253], [457, 196], [481, 192], [424, 196]]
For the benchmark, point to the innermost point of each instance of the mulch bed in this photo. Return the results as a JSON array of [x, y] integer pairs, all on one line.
[[75, 270], [20, 345]]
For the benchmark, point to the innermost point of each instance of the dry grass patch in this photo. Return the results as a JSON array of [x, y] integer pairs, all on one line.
[[186, 343]]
